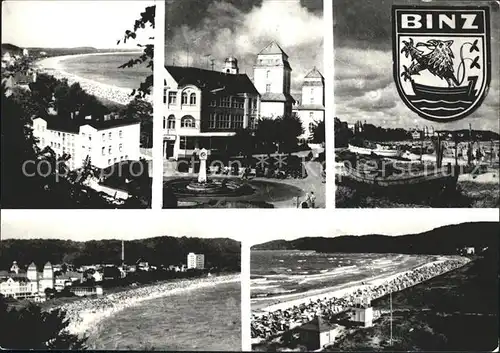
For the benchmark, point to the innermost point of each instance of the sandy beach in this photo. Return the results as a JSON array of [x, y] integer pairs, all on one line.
[[286, 301], [85, 314], [119, 95]]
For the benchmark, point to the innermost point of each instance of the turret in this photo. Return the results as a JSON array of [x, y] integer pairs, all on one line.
[[231, 66]]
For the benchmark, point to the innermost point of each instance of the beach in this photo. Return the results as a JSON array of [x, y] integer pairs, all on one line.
[[54, 66], [272, 320], [87, 313]]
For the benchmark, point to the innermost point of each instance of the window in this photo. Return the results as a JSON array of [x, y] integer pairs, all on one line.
[[182, 142], [103, 136], [312, 100], [109, 150], [114, 160], [184, 98], [268, 88], [238, 102], [192, 99], [83, 134], [212, 118], [237, 122], [223, 122], [187, 121], [109, 136], [109, 161], [171, 122], [172, 97], [120, 134], [164, 123], [164, 96], [311, 127], [268, 72], [126, 156], [90, 137], [225, 102], [213, 103], [120, 147], [103, 151]]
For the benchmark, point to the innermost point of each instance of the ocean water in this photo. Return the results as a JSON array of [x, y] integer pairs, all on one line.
[[104, 69], [202, 319], [276, 273]]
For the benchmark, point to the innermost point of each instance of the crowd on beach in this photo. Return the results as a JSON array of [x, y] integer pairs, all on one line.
[[273, 324], [85, 313], [112, 93]]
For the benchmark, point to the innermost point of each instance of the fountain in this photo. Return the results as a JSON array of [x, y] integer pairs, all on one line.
[[203, 186]]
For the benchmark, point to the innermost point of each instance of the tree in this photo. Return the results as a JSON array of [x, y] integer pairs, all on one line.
[[146, 18], [32, 328], [318, 133], [243, 143], [142, 110], [266, 135], [288, 130]]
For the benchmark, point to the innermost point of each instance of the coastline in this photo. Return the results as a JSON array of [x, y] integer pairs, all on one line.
[[86, 314], [335, 291], [120, 95]]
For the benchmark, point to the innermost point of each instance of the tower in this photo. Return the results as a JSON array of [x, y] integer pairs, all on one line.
[[47, 280], [272, 73], [123, 252], [231, 66], [312, 109], [32, 275]]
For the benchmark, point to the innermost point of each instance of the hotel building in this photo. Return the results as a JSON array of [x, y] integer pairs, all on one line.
[[195, 261], [311, 108], [106, 142], [204, 107], [30, 285], [271, 75]]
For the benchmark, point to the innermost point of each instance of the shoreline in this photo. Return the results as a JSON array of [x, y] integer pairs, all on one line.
[[334, 291], [119, 95], [86, 314]]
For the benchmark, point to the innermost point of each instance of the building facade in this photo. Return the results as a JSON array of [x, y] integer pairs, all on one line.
[[106, 142], [30, 286], [204, 107], [195, 261], [311, 108], [272, 78]]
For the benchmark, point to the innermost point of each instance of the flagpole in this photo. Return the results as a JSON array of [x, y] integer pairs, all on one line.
[[390, 298]]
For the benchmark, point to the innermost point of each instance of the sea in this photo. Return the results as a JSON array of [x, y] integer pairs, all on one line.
[[105, 69], [202, 319], [284, 272]]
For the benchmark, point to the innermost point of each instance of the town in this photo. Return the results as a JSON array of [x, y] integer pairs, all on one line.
[[68, 280]]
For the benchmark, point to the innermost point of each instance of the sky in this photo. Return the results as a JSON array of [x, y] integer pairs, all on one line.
[[66, 24], [364, 85], [258, 225], [242, 28]]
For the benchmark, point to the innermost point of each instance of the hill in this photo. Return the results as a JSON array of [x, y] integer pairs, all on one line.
[[11, 48], [442, 240], [219, 252]]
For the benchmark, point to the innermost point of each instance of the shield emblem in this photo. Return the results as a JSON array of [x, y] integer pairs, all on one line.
[[441, 58]]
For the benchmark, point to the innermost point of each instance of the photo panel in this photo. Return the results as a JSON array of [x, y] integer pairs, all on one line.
[[414, 284], [76, 104], [244, 105], [113, 284], [416, 102]]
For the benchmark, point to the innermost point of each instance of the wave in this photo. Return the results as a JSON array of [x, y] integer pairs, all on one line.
[[442, 108], [440, 101]]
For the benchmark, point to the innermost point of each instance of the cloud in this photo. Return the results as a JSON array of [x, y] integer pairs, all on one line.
[[225, 28]]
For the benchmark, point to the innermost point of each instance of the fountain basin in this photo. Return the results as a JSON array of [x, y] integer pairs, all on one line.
[[213, 187]]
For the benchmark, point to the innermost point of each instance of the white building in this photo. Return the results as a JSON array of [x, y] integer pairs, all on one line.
[[30, 286], [272, 78], [196, 261], [26, 52], [204, 107], [106, 142], [311, 109]]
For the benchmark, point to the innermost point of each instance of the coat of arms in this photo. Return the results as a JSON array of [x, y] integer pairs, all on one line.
[[441, 58]]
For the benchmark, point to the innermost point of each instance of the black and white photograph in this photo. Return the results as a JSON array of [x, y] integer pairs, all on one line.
[[415, 284], [117, 285], [416, 104], [76, 104], [244, 104]]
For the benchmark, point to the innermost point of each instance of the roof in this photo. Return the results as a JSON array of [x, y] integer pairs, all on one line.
[[314, 73], [15, 278], [66, 124], [276, 97], [209, 80], [316, 326], [272, 49]]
